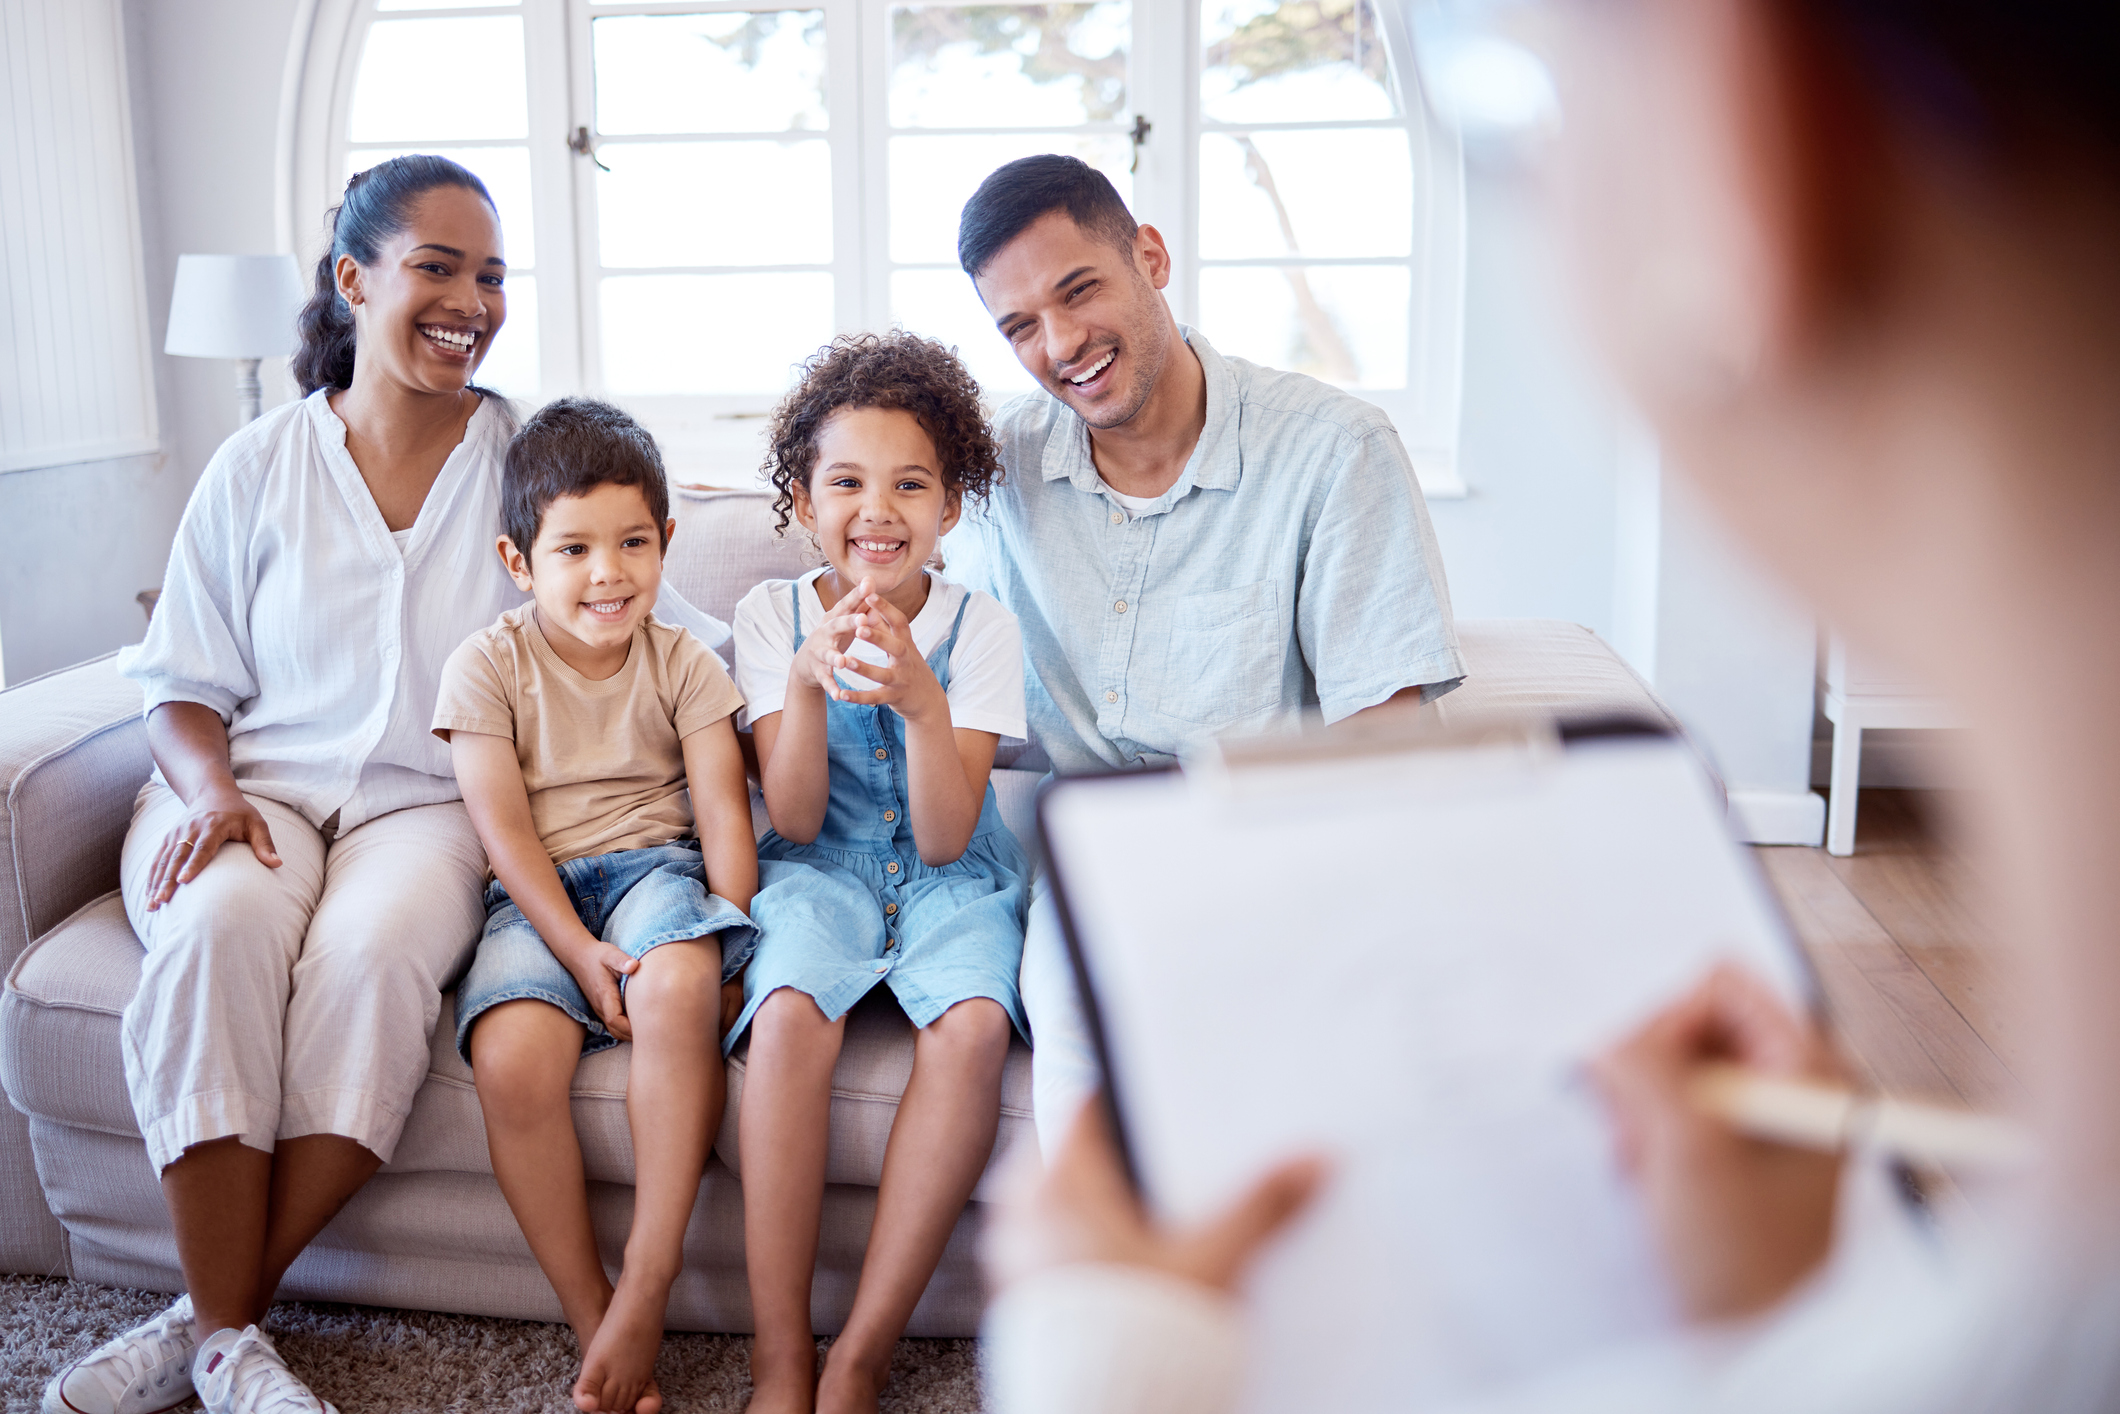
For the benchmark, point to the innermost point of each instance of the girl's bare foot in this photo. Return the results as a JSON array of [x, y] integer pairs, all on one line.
[[618, 1364], [850, 1385], [783, 1380]]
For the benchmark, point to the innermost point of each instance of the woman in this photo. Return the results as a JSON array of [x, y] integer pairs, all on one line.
[[1855, 258], [300, 869]]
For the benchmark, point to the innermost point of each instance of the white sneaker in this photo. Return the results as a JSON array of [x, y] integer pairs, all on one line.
[[238, 1372], [144, 1371]]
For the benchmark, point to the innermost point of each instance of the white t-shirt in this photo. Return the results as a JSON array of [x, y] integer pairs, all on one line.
[[1139, 505], [986, 666]]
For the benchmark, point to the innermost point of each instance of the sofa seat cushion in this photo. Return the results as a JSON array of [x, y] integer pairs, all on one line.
[[60, 1059]]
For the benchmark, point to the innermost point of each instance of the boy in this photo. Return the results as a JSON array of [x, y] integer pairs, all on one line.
[[576, 724]]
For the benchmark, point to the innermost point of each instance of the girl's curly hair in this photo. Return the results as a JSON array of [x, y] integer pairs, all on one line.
[[894, 370]]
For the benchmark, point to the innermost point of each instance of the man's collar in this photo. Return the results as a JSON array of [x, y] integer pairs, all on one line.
[[1216, 463]]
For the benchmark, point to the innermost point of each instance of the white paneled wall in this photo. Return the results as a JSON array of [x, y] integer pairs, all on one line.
[[76, 381]]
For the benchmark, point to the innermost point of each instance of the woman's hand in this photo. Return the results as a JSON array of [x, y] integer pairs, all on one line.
[[216, 816], [596, 966], [824, 647], [1740, 1221], [907, 685], [1083, 1210]]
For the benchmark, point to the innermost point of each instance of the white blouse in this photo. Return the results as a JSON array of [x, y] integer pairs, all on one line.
[[291, 609]]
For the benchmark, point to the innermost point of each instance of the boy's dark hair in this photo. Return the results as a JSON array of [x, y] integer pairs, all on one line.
[[1018, 193], [571, 447], [895, 370]]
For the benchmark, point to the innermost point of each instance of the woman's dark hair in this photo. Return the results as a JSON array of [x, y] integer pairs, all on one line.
[[570, 447], [895, 370], [1019, 192], [377, 205], [1998, 74]]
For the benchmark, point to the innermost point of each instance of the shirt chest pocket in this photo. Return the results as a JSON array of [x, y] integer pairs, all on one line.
[[1220, 657]]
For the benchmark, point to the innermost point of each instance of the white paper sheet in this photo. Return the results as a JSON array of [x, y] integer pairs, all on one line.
[[1404, 962]]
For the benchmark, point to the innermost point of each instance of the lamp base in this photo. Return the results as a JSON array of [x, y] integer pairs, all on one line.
[[249, 394]]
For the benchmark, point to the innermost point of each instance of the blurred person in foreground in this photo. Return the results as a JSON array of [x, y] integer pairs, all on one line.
[[1856, 260]]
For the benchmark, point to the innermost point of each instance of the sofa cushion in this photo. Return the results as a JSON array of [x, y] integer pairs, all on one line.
[[725, 544], [60, 1061]]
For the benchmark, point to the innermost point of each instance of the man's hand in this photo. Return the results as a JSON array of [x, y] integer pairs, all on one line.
[[597, 966], [906, 684], [824, 647], [1740, 1221], [1083, 1210], [215, 816]]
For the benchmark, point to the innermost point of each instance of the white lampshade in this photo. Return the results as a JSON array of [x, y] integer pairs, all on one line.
[[234, 306]]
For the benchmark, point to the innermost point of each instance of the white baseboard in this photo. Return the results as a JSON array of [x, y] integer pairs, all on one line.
[[1897, 760], [1778, 816]]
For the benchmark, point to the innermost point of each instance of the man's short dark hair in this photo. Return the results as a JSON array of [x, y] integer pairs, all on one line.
[[1015, 195], [571, 447]]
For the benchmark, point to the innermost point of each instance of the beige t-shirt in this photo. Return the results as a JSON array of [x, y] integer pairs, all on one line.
[[602, 760]]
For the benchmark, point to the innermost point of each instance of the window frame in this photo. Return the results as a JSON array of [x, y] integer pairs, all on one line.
[[1163, 84]]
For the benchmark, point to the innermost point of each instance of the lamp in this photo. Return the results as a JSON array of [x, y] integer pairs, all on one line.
[[235, 306]]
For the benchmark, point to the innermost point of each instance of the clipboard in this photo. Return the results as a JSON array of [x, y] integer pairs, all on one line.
[[1397, 943]]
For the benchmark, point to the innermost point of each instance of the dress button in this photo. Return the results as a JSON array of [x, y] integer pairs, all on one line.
[[1111, 697], [1120, 607], [883, 967], [1117, 518], [889, 909], [890, 815], [891, 868], [882, 755]]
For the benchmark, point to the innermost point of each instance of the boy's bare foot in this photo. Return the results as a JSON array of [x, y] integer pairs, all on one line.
[[783, 1381], [618, 1365], [848, 1386]]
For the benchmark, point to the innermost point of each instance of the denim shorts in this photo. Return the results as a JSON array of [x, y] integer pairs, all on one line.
[[636, 900]]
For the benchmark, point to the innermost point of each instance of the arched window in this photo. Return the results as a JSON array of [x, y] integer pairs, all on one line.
[[695, 195]]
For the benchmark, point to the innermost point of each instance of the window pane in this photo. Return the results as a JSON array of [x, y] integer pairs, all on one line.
[[932, 177], [433, 80], [1302, 61], [734, 72], [441, 4], [1344, 324], [943, 305], [983, 66], [511, 364], [1346, 193], [506, 173], [715, 203], [711, 333]]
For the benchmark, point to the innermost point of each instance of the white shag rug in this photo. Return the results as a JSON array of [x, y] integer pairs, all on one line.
[[364, 1358]]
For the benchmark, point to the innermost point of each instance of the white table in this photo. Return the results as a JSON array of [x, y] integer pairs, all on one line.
[[1861, 694]]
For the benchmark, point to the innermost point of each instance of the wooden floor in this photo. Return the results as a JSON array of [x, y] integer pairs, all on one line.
[[1915, 981]]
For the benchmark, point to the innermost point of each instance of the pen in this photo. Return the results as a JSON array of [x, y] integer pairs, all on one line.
[[1820, 1116]]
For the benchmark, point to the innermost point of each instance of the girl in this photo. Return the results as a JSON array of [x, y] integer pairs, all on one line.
[[877, 694]]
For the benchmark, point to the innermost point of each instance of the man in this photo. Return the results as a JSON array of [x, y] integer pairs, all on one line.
[[1193, 544]]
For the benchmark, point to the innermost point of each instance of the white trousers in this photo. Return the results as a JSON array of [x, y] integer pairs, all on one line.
[[276, 1003], [1064, 1070]]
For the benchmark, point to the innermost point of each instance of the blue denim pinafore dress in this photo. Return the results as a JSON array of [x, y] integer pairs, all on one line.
[[857, 906]]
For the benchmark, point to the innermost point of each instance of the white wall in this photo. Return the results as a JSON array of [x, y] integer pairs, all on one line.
[[1570, 517], [204, 86]]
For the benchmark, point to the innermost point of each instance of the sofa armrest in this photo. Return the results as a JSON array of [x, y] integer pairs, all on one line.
[[73, 755]]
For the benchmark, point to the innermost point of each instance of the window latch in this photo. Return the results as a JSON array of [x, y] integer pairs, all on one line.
[[1139, 136], [580, 146]]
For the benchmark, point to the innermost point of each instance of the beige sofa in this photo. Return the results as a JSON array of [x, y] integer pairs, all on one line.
[[78, 1197]]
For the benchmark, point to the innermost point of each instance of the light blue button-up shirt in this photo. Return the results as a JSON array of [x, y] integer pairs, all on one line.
[[1292, 565]]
